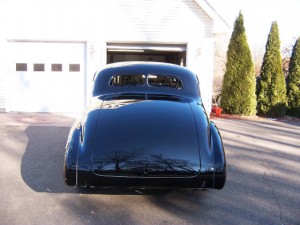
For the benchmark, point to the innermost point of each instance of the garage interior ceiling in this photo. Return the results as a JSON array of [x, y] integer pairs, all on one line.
[[111, 47]]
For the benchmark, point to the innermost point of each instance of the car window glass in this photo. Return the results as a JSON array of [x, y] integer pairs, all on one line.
[[164, 81], [128, 80]]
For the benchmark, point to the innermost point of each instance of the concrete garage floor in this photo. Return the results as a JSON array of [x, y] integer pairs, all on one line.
[[263, 185]]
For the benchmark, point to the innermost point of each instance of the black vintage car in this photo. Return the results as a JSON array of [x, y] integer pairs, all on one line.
[[145, 127]]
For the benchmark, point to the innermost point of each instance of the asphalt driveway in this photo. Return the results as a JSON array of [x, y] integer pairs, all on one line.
[[263, 183]]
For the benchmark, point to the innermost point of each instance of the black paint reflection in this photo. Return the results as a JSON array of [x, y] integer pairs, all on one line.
[[141, 137], [139, 163]]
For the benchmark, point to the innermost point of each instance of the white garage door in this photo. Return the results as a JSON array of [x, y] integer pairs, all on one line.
[[47, 77]]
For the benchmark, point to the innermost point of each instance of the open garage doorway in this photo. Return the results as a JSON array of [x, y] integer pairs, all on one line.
[[171, 53]]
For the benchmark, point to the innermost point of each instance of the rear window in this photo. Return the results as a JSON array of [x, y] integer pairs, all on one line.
[[153, 80], [164, 81], [128, 80]]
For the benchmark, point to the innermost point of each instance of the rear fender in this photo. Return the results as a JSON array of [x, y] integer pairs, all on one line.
[[218, 156], [70, 159], [85, 146]]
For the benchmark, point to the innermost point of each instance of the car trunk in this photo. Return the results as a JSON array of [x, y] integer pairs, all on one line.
[[153, 136]]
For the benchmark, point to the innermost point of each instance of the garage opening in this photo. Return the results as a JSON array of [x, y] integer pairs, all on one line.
[[171, 53]]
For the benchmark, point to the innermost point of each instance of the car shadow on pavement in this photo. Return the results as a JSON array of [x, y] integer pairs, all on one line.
[[42, 164]]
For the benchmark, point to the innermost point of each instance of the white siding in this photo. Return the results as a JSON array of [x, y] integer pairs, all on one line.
[[3, 57], [126, 20], [156, 21], [2, 94], [3, 70]]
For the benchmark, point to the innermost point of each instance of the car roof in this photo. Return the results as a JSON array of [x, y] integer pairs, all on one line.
[[103, 77]]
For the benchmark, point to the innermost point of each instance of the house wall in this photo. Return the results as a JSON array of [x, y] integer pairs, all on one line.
[[2, 74], [121, 21], [3, 61]]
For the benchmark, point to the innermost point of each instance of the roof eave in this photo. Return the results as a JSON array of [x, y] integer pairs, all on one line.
[[220, 26]]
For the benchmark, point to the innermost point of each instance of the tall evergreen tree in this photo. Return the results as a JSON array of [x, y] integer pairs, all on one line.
[[294, 82], [238, 90], [271, 88]]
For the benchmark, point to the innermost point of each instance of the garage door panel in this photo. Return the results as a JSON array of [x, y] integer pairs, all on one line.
[[58, 87]]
